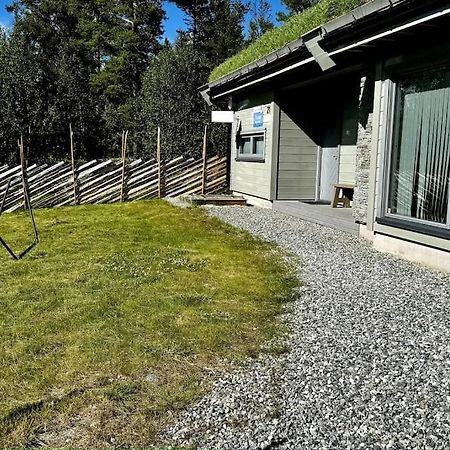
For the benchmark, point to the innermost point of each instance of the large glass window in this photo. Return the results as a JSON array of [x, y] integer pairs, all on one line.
[[420, 164]]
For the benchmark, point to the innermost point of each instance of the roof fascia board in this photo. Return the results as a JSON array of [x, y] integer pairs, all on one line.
[[358, 13], [206, 95], [268, 59]]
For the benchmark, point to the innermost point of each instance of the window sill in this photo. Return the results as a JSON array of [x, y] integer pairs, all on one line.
[[430, 230], [250, 159]]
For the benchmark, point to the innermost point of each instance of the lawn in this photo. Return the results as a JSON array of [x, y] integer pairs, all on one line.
[[122, 316]]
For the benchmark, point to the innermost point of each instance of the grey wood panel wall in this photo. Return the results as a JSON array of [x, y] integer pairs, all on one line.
[[253, 178], [297, 166]]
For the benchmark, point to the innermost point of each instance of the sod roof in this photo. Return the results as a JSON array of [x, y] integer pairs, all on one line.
[[293, 29]]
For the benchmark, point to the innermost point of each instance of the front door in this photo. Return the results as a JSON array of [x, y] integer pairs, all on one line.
[[329, 173]]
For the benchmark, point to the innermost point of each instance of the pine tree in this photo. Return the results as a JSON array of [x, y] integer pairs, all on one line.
[[196, 11], [294, 7], [21, 101], [261, 20], [97, 49], [170, 98], [47, 33], [215, 27]]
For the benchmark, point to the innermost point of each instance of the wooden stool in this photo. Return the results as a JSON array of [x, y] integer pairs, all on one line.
[[343, 195]]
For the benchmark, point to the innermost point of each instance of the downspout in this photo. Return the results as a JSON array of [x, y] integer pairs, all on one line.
[[312, 43], [205, 93]]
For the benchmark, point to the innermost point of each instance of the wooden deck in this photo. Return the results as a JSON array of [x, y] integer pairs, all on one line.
[[337, 218]]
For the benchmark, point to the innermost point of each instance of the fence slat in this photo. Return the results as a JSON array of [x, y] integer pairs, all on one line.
[[104, 182]]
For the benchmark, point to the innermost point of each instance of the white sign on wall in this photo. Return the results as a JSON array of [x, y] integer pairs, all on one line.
[[222, 117]]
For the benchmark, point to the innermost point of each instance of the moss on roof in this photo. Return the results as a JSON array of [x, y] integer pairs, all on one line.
[[292, 30]]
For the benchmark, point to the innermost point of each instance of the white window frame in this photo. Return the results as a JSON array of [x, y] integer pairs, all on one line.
[[252, 134]]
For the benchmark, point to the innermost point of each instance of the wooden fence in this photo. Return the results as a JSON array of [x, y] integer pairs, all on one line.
[[110, 181]]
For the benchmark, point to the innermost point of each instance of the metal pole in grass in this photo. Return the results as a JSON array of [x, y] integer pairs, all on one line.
[[205, 161], [27, 205], [23, 169], [124, 159], [26, 192]]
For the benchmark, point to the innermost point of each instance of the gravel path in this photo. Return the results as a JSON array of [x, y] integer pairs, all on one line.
[[369, 365]]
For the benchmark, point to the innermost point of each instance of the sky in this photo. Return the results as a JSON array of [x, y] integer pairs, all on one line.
[[173, 23]]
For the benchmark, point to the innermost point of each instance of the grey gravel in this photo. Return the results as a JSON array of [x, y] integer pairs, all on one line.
[[369, 359]]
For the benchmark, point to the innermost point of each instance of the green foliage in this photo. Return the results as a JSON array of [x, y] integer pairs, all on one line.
[[216, 28], [261, 20], [294, 7], [83, 62], [21, 105], [113, 322], [170, 98], [277, 38], [89, 58]]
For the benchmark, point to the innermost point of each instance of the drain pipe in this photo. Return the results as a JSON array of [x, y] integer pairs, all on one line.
[[312, 43]]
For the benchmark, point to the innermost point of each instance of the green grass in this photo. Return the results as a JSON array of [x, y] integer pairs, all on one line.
[[292, 30], [120, 317]]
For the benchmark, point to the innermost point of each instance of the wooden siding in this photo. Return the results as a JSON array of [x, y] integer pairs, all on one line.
[[297, 162], [347, 164], [252, 178]]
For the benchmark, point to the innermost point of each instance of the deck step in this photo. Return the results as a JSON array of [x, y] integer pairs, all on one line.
[[214, 200]]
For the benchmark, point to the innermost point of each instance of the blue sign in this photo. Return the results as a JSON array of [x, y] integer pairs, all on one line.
[[258, 119]]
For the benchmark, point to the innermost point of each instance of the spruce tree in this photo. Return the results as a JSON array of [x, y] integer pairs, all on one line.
[[294, 7], [93, 54], [170, 97], [261, 19], [215, 27]]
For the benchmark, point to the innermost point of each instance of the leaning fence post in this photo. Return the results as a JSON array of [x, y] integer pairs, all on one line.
[[76, 196], [205, 161], [23, 167], [161, 167], [124, 159], [26, 190]]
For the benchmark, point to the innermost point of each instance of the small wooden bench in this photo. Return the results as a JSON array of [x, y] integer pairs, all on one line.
[[343, 195]]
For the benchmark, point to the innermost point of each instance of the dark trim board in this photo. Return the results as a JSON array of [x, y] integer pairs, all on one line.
[[250, 159], [442, 233], [336, 218]]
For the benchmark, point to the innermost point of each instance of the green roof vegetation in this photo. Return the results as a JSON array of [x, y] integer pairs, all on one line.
[[292, 30]]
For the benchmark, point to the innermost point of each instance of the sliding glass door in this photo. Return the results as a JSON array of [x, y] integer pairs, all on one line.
[[420, 162]]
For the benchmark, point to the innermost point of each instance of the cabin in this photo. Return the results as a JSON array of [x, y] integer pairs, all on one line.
[[349, 126]]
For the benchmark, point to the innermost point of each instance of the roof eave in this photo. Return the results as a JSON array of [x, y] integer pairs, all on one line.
[[333, 26]]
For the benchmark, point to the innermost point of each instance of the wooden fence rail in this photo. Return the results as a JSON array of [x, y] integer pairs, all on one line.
[[95, 182]]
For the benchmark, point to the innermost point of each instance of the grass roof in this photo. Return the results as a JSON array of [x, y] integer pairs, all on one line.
[[293, 29]]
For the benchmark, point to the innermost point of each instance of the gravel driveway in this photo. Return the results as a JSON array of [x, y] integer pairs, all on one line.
[[369, 360]]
